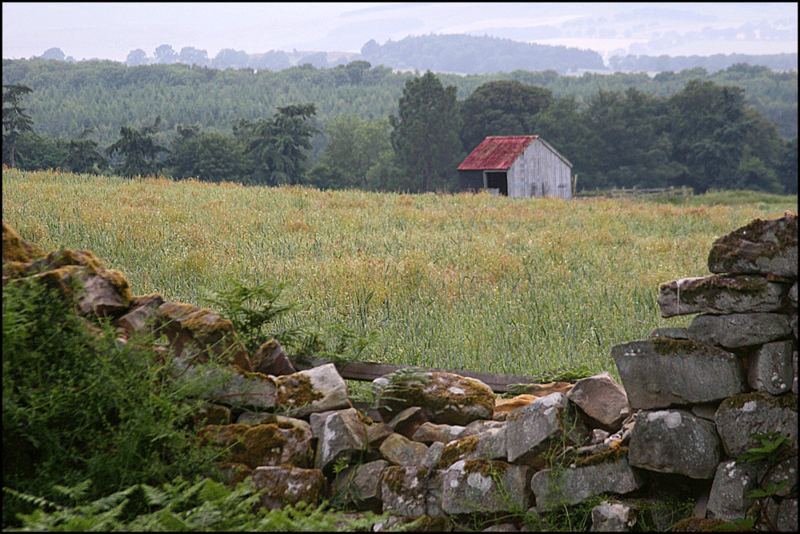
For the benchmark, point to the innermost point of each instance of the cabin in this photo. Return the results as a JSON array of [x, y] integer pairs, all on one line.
[[517, 166]]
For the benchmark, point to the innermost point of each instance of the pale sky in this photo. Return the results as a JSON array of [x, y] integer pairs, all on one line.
[[111, 30]]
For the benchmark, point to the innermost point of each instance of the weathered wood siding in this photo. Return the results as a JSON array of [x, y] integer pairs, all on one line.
[[539, 172]]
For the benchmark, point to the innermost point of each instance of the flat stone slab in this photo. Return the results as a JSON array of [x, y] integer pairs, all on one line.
[[611, 474], [484, 486], [661, 372], [740, 329], [741, 417], [674, 441], [766, 247], [720, 295]]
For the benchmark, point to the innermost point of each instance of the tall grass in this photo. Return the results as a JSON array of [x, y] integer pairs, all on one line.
[[457, 281]]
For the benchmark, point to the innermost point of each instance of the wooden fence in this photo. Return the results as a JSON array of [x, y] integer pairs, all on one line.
[[633, 192]]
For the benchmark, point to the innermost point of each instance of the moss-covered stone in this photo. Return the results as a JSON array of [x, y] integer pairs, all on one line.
[[259, 445], [64, 257], [288, 485], [487, 468], [457, 450], [788, 400], [213, 414], [445, 397], [670, 346], [762, 246], [611, 454], [296, 390], [17, 249], [395, 476]]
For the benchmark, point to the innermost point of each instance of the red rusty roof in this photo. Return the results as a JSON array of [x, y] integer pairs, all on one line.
[[496, 152]]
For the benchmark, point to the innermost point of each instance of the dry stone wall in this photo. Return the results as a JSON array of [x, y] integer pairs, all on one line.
[[695, 406]]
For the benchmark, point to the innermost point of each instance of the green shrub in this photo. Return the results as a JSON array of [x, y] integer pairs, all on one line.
[[256, 311], [78, 405]]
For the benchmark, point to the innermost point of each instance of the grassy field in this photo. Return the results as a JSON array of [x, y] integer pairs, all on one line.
[[456, 281]]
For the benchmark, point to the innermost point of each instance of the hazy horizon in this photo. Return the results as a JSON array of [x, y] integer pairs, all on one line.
[[112, 30]]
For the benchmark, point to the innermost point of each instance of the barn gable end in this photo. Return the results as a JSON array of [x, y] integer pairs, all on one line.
[[519, 166]]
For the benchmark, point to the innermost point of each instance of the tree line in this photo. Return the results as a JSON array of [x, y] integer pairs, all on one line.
[[106, 95], [704, 136]]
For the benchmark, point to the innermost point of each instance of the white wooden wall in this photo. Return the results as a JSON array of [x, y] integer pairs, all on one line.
[[539, 172]]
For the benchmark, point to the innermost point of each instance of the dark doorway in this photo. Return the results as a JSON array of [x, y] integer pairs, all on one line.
[[497, 180]]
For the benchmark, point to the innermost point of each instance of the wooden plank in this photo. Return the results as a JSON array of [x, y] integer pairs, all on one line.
[[370, 371]]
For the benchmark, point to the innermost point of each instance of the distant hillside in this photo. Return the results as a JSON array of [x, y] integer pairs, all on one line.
[[467, 54], [459, 54], [710, 63]]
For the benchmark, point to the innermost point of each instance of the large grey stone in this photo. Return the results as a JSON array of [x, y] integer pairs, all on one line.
[[778, 515], [530, 429], [718, 294], [402, 451], [314, 390], [770, 368], [444, 397], [287, 441], [787, 515], [602, 399], [360, 485], [484, 486], [342, 434], [288, 485], [612, 517], [411, 491], [741, 417], [570, 486], [767, 247], [782, 476], [793, 295], [674, 441], [732, 483], [661, 372], [740, 329]]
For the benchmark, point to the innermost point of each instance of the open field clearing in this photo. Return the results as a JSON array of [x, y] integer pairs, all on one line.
[[462, 281]]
